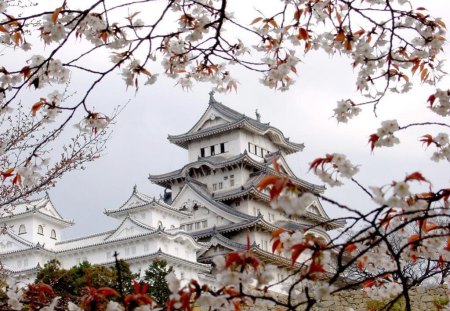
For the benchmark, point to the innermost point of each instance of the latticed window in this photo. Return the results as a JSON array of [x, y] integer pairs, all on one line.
[[22, 229], [53, 234], [40, 230]]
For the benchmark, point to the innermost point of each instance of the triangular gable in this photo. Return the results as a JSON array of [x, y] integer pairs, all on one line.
[[283, 166], [190, 195], [211, 117], [128, 228], [10, 242], [47, 207], [218, 245], [316, 208]]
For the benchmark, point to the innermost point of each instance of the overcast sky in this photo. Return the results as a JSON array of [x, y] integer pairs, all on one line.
[[139, 144]]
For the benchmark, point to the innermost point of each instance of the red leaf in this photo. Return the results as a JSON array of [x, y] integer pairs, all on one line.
[[297, 250], [7, 173], [416, 176], [427, 139], [372, 140], [266, 181], [17, 180], [137, 287], [369, 283], [350, 248], [276, 246], [277, 232], [107, 291], [320, 161], [233, 258]]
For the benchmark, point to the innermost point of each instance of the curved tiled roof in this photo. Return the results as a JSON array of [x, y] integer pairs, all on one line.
[[103, 241], [35, 206], [202, 192], [237, 120], [259, 221], [147, 202], [218, 162]]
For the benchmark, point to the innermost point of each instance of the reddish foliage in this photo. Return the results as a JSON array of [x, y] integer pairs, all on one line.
[[320, 161], [416, 176], [373, 140], [427, 139]]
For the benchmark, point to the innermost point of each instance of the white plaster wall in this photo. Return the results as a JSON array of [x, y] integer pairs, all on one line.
[[258, 140], [270, 215], [31, 225], [231, 144], [155, 217], [261, 238]]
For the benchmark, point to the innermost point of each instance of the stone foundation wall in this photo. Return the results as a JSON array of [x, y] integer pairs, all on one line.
[[422, 299]]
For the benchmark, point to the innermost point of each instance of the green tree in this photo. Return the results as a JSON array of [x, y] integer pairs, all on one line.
[[155, 276], [126, 274], [61, 280]]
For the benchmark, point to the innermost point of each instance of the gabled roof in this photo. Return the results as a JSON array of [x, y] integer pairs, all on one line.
[[43, 207], [233, 120], [166, 257], [127, 222], [218, 208], [219, 162], [139, 201], [256, 221], [20, 243], [102, 239]]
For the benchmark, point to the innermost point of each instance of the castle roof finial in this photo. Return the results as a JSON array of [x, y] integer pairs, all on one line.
[[134, 188], [212, 100], [258, 116]]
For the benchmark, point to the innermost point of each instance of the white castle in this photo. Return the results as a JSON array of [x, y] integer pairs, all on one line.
[[209, 208]]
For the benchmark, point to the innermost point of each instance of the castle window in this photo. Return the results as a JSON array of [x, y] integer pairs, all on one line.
[[238, 203], [197, 225], [22, 229], [220, 185], [182, 227], [40, 230], [222, 148], [214, 187], [189, 227], [231, 180], [204, 223], [202, 152], [212, 148], [53, 234]]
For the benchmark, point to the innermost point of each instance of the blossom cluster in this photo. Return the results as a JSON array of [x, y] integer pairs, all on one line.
[[440, 102], [332, 166], [346, 110], [442, 144], [384, 137]]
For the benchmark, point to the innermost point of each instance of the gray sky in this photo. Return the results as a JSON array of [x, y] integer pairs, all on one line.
[[139, 145]]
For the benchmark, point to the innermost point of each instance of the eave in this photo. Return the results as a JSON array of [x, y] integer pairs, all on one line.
[[275, 134]]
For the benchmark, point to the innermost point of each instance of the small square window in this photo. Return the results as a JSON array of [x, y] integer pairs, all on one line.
[[189, 227]]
